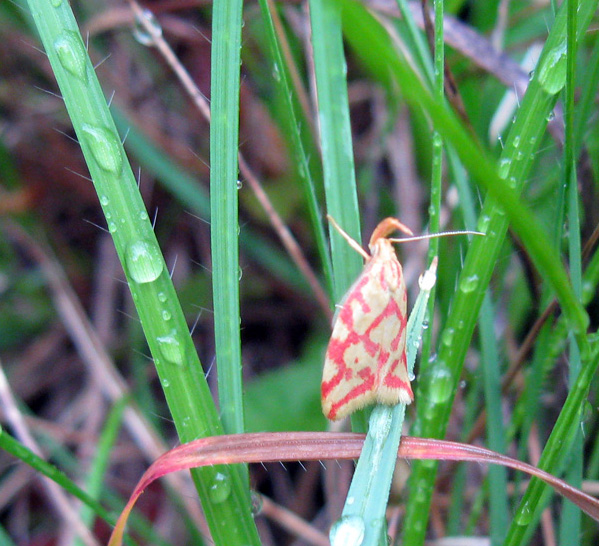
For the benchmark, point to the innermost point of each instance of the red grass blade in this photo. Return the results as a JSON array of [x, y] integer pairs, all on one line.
[[311, 446]]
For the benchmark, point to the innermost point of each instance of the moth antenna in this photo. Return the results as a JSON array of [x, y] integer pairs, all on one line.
[[351, 241], [435, 236]]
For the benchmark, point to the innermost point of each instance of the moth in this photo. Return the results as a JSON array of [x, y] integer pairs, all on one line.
[[365, 361]]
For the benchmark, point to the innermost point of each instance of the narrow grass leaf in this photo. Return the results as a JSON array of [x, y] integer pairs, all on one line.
[[336, 148]]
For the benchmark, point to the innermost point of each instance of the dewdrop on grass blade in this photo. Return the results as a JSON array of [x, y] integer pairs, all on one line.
[[365, 361]]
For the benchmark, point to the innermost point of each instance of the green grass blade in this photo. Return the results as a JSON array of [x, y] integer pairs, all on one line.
[[437, 162], [18, 450], [224, 176], [97, 471], [336, 148], [222, 491], [498, 501], [590, 82], [460, 478], [418, 38], [554, 454], [570, 524], [335, 137], [301, 140]]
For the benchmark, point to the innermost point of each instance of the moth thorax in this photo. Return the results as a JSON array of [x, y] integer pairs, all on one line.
[[383, 250]]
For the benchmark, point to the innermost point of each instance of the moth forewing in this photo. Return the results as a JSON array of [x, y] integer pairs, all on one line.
[[346, 383], [365, 361]]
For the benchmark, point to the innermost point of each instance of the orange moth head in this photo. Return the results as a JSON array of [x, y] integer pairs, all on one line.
[[386, 227], [379, 245]]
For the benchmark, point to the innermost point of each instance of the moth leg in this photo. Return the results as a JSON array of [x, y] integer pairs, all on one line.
[[351, 242]]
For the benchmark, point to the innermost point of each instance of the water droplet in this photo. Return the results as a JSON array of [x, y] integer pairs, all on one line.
[[483, 223], [112, 227], [437, 140], [276, 74], [587, 290], [166, 315], [504, 167], [220, 489], [377, 526], [347, 531], [104, 201], [143, 215], [171, 348], [56, 3], [588, 411], [165, 383], [301, 170], [447, 337], [469, 284], [350, 500], [512, 182], [105, 147], [146, 34], [428, 463], [440, 383], [71, 54], [524, 515], [162, 297], [411, 376], [498, 211], [516, 141], [552, 73], [239, 184], [423, 487], [144, 261]]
